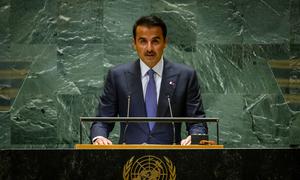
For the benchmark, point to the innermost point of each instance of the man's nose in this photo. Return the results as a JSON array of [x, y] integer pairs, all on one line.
[[149, 46]]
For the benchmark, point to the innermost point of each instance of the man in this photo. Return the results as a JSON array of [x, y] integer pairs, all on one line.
[[148, 85]]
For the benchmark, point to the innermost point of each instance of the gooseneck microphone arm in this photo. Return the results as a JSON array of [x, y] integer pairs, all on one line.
[[128, 111], [173, 124], [128, 105]]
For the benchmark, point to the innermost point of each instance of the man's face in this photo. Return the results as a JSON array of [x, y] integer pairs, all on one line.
[[149, 44]]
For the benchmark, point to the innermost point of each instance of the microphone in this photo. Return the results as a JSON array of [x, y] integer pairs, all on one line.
[[128, 111], [173, 124]]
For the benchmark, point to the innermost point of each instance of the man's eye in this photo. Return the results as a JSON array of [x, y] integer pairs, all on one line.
[[142, 41], [155, 42]]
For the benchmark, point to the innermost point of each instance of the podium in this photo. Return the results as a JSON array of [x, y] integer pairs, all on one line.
[[146, 161]]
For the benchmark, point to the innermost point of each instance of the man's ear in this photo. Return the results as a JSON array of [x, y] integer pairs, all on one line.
[[133, 44], [166, 42]]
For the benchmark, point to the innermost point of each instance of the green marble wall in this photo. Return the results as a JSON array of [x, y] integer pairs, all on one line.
[[71, 44]]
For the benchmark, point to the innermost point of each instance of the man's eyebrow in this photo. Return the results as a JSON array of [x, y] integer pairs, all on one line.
[[156, 37], [142, 38]]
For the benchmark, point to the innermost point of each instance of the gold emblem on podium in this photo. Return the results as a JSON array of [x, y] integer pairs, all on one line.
[[149, 168]]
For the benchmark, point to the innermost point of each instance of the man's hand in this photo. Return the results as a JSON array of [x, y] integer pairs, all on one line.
[[186, 141], [102, 141]]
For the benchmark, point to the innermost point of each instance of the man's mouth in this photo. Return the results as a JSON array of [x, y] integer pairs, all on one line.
[[150, 54]]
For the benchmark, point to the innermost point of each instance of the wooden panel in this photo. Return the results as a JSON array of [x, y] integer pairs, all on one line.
[[148, 146]]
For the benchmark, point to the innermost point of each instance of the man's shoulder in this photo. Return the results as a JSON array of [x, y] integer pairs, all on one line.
[[180, 67], [123, 67]]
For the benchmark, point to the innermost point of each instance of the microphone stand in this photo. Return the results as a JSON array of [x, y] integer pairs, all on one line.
[[173, 124], [126, 126]]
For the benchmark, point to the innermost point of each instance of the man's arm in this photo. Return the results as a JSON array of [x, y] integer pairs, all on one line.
[[194, 108], [107, 108]]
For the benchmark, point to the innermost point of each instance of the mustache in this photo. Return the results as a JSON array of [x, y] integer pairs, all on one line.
[[149, 53]]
